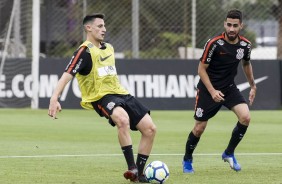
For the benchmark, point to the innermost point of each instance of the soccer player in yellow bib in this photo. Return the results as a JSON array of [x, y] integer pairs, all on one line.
[[93, 64]]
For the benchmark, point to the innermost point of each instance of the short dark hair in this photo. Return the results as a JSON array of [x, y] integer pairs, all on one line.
[[234, 14], [89, 18]]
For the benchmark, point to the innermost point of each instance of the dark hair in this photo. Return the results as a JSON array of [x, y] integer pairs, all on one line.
[[234, 14], [89, 18]]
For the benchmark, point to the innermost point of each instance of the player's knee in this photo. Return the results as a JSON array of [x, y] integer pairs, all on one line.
[[122, 122], [245, 119], [199, 129], [149, 130], [152, 130]]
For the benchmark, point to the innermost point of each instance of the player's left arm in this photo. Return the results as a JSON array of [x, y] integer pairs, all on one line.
[[248, 70]]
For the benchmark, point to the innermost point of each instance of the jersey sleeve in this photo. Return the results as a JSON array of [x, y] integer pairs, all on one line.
[[79, 61], [209, 49], [247, 56]]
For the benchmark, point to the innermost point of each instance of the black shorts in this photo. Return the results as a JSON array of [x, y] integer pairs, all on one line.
[[135, 110], [206, 107]]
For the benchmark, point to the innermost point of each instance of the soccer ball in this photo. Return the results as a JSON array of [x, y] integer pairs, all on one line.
[[156, 172]]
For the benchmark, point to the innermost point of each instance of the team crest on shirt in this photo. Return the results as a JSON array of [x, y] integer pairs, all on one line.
[[220, 42], [111, 105], [199, 112], [243, 43], [240, 54]]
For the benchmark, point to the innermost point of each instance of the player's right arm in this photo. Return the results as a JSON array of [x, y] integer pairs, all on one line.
[[54, 105], [217, 95], [80, 63], [205, 60]]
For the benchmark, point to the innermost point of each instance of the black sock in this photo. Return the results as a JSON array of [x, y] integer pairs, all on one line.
[[129, 157], [237, 135], [190, 146], [140, 162]]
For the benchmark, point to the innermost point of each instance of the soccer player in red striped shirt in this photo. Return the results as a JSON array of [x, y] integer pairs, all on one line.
[[216, 88]]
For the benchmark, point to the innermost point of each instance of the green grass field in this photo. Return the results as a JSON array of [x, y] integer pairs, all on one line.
[[81, 148]]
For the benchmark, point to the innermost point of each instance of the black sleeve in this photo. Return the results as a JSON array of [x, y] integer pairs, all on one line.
[[80, 62], [247, 56]]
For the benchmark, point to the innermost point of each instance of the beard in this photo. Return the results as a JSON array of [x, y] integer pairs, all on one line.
[[233, 37]]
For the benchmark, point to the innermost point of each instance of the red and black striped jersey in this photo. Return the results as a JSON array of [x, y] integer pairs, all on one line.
[[223, 59]]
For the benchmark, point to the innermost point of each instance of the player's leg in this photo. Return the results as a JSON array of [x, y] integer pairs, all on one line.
[[148, 132], [112, 107], [194, 138], [121, 119], [191, 144], [205, 109], [237, 103], [243, 114], [142, 121]]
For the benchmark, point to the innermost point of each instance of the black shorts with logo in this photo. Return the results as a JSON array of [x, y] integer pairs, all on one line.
[[206, 107], [135, 110]]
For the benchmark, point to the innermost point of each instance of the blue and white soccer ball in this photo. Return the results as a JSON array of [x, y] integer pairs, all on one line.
[[156, 172]]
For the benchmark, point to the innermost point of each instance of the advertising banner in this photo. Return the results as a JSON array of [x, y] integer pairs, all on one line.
[[16, 84], [159, 84]]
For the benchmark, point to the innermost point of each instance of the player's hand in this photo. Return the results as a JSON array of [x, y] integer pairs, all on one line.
[[217, 96], [54, 107], [252, 95]]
